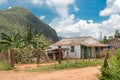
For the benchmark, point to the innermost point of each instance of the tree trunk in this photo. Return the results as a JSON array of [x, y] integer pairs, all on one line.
[[12, 57], [38, 59]]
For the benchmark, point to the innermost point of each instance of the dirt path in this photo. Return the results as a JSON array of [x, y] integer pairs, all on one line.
[[23, 66], [88, 73]]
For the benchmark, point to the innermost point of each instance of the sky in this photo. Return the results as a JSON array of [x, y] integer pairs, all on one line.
[[74, 18]]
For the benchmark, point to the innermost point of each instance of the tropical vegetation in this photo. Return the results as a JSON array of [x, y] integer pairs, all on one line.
[[23, 48], [109, 38], [23, 36], [111, 67]]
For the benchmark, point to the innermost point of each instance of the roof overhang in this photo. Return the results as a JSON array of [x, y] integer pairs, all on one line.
[[95, 45], [57, 49]]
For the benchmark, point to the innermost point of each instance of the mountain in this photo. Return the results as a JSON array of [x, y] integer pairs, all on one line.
[[20, 18], [59, 37]]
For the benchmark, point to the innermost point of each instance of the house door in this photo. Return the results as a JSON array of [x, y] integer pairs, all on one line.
[[86, 51]]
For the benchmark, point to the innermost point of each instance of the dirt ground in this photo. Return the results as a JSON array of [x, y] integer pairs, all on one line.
[[33, 65], [88, 73]]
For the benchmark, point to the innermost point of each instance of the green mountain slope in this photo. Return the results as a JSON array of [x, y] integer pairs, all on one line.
[[21, 18]]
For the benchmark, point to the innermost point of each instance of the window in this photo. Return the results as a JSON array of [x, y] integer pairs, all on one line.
[[72, 48], [59, 46]]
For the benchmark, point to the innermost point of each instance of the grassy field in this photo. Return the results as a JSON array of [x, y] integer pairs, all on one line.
[[67, 64]]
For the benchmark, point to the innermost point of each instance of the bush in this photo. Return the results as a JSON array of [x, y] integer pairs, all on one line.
[[24, 56], [4, 65], [112, 69]]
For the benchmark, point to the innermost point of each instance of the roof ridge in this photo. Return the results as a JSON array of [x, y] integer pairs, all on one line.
[[79, 37]]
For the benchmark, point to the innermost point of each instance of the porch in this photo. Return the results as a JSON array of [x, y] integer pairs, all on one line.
[[57, 54], [89, 51]]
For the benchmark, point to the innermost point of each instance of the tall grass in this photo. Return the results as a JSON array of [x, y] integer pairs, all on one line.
[[76, 64], [4, 65], [68, 64]]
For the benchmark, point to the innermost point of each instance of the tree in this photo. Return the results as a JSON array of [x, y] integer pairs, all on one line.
[[117, 34], [34, 41], [29, 40], [110, 37], [104, 39], [11, 42], [111, 67]]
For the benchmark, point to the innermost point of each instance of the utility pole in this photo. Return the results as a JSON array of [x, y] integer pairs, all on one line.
[[100, 36]]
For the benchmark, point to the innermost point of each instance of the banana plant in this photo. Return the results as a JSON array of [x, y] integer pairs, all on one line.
[[11, 42]]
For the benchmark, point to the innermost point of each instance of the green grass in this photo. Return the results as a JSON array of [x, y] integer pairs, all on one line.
[[4, 65], [67, 64]]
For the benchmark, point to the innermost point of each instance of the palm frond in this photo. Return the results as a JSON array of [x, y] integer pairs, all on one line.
[[4, 42], [39, 34], [5, 37], [16, 37]]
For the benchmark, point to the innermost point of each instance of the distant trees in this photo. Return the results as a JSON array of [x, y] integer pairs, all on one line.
[[117, 34], [105, 39], [108, 38]]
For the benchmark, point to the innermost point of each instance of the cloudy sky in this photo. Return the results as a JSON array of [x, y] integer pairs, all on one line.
[[74, 18]]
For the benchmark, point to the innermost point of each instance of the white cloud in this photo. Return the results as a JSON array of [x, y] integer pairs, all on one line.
[[9, 7], [113, 7], [42, 17], [67, 25], [60, 6], [71, 27], [111, 24], [3, 1], [37, 2], [76, 8]]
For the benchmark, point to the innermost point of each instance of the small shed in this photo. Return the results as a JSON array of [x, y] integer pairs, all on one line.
[[54, 53]]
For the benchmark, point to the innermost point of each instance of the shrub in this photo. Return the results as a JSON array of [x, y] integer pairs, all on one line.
[[24, 56], [111, 68]]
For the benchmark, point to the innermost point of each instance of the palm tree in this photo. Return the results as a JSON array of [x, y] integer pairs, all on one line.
[[11, 42], [28, 36], [33, 41], [29, 40]]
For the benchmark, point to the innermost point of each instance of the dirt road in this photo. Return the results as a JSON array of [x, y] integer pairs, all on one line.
[[88, 73]]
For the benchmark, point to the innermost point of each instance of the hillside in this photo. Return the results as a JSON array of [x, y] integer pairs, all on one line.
[[20, 18]]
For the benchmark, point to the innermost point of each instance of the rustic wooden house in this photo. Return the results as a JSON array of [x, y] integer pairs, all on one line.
[[115, 43], [82, 47]]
